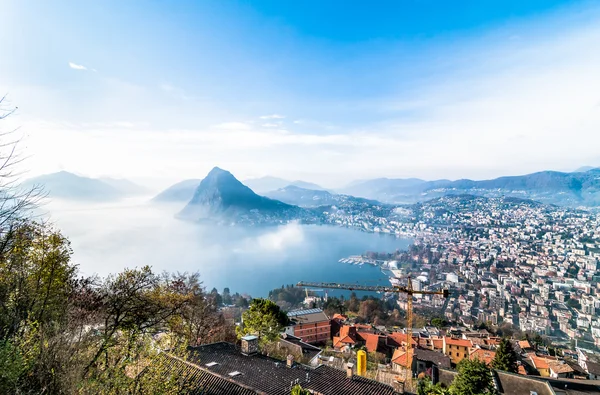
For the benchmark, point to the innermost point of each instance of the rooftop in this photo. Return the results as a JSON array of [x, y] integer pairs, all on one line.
[[271, 376]]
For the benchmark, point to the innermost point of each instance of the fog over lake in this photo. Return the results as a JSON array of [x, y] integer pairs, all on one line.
[[109, 237]]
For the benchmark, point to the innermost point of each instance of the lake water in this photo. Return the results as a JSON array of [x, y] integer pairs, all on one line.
[[107, 238]]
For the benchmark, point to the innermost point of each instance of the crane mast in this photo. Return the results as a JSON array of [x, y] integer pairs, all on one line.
[[408, 290]]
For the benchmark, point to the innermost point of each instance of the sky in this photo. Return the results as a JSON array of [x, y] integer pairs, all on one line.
[[327, 92]]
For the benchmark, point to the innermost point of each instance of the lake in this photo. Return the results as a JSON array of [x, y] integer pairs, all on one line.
[[109, 237]]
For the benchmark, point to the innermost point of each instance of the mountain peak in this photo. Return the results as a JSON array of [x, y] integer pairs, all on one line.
[[221, 195]]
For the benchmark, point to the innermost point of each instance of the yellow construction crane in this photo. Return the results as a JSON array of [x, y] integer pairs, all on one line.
[[408, 290]]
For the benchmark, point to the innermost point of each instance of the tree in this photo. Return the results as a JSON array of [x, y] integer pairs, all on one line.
[[263, 319], [426, 387], [227, 300], [474, 378], [438, 322], [506, 357], [16, 201]]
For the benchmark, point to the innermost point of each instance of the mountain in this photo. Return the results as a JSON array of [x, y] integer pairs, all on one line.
[[303, 197], [313, 198], [571, 189], [125, 186], [268, 184], [181, 192], [307, 185], [384, 189], [583, 169], [221, 197], [65, 185]]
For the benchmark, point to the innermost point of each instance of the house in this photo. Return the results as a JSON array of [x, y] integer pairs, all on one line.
[[457, 349], [541, 364], [425, 360], [505, 383], [301, 351], [224, 368], [593, 370], [483, 355], [312, 325], [352, 336], [560, 369]]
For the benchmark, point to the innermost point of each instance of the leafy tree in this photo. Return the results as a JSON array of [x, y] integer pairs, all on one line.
[[506, 357], [199, 321], [227, 300], [132, 304], [438, 322], [426, 387], [298, 390], [263, 319], [474, 378]]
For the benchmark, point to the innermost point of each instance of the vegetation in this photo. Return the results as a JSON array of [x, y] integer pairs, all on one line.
[[61, 333], [506, 357], [264, 319], [298, 390], [473, 378]]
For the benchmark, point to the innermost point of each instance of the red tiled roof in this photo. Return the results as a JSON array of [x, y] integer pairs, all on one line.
[[486, 356], [400, 357], [371, 340], [458, 342], [524, 344], [522, 370], [438, 344], [540, 362]]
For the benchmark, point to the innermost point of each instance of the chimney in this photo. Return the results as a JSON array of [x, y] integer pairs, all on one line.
[[249, 345], [349, 372], [290, 361]]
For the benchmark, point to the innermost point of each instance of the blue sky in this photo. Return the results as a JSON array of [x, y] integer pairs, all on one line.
[[162, 91]]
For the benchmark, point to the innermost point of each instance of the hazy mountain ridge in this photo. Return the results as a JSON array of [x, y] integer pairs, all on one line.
[[572, 189], [183, 191], [65, 185], [313, 198], [267, 184], [221, 197]]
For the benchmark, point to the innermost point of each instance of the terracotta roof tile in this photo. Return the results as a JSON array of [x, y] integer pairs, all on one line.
[[458, 342]]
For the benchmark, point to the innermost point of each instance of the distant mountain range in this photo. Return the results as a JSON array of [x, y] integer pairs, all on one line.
[[222, 198], [304, 197], [65, 185], [570, 189], [268, 184]]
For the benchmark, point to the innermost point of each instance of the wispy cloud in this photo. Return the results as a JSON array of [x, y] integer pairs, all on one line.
[[273, 116], [76, 66]]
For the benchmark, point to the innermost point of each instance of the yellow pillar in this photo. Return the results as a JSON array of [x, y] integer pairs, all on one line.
[[361, 366]]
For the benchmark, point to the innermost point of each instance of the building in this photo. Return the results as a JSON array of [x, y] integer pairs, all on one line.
[[457, 349], [223, 368], [312, 325]]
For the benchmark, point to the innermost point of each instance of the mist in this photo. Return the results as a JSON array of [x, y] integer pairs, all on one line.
[[106, 238]]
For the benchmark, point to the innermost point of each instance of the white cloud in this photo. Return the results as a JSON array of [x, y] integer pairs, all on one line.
[[77, 66], [282, 238], [273, 116], [271, 125]]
